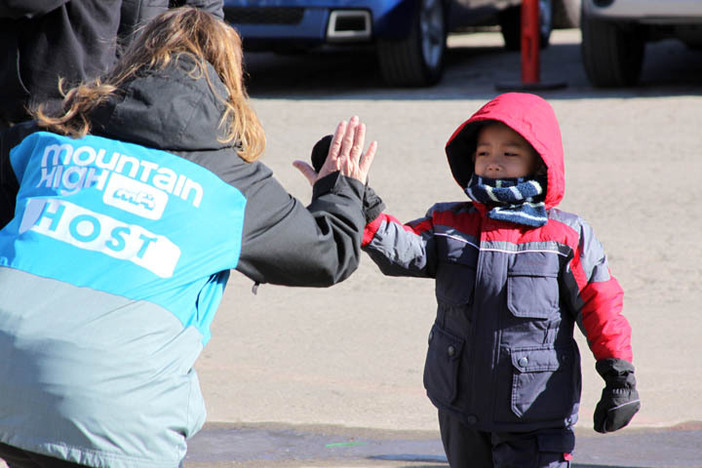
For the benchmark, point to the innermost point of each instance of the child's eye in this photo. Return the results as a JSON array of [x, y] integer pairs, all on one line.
[[511, 155]]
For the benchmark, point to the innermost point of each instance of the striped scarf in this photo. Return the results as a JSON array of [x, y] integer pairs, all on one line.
[[518, 200]]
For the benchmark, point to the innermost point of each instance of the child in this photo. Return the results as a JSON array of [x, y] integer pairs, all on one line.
[[513, 276]]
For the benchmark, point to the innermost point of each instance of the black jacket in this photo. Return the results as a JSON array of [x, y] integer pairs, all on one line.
[[138, 12], [42, 40]]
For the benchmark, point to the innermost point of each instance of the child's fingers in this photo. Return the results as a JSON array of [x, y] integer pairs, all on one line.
[[307, 171], [366, 161]]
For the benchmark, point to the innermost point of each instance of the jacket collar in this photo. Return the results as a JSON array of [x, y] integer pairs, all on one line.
[[170, 109]]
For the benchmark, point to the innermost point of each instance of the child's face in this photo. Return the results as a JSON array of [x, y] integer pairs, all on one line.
[[503, 153]]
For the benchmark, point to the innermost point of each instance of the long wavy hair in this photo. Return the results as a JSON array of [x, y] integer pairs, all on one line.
[[177, 31]]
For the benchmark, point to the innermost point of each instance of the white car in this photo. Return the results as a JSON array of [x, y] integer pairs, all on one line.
[[615, 33]]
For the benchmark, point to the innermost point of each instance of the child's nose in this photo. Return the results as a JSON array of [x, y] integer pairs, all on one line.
[[493, 166]]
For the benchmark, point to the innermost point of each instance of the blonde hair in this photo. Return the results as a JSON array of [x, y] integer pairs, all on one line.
[[178, 31]]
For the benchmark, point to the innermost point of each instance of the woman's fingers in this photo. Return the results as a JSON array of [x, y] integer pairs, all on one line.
[[365, 164], [350, 135], [358, 141], [345, 153], [331, 163], [347, 144]]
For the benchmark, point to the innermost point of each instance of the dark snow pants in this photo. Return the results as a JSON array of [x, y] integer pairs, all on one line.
[[18, 458], [468, 448]]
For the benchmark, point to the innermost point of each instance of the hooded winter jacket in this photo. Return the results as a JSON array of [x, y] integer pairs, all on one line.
[[501, 354], [116, 259]]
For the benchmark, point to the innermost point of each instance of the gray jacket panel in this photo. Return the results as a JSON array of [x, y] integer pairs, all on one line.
[[94, 378]]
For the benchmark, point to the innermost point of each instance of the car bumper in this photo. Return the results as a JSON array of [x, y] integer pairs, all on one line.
[[646, 11], [296, 23]]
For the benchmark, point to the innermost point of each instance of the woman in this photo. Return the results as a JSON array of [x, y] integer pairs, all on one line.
[[131, 206]]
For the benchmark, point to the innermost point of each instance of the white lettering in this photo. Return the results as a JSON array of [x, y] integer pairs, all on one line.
[[86, 229], [69, 170], [109, 165], [165, 179], [57, 176], [133, 162], [47, 177], [196, 189], [96, 180], [78, 158], [147, 167], [54, 151]]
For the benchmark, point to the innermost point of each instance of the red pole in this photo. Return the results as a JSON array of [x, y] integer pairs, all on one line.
[[531, 48], [531, 64]]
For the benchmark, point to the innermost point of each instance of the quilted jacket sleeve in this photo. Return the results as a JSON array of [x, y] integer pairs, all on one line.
[[597, 299], [286, 243], [401, 249]]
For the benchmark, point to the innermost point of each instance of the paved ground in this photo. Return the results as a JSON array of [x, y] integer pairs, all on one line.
[[279, 446]]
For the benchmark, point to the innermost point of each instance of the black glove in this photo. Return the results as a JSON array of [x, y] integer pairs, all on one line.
[[320, 150], [372, 204], [620, 400]]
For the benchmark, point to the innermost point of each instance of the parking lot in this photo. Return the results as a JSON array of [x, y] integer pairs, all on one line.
[[349, 359]]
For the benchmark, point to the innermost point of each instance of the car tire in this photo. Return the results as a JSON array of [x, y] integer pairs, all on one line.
[[510, 21], [566, 14], [418, 59], [612, 53]]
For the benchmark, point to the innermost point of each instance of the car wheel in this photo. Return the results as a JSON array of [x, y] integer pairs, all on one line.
[[417, 60], [612, 53], [566, 14], [511, 25], [545, 22]]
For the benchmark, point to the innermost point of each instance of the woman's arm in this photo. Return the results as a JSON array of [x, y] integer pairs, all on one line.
[[319, 245]]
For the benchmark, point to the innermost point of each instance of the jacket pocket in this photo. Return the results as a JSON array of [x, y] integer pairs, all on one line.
[[532, 285], [454, 283], [442, 365], [542, 383], [455, 274]]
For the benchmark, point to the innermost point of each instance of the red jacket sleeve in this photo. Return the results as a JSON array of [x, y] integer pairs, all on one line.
[[597, 299]]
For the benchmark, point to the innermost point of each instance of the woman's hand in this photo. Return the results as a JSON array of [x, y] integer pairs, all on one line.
[[345, 154]]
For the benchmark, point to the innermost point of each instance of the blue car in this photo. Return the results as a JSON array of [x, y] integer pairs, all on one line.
[[409, 36]]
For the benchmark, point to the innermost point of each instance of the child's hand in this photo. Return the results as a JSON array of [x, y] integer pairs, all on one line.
[[620, 400], [320, 152], [345, 154]]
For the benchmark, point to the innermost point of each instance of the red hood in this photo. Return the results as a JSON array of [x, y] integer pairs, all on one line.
[[530, 116]]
